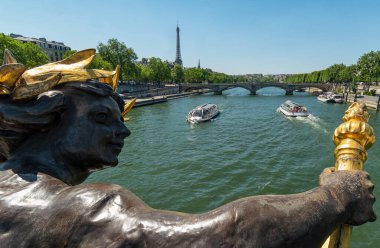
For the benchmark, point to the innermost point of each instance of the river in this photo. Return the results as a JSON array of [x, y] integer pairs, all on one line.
[[250, 149]]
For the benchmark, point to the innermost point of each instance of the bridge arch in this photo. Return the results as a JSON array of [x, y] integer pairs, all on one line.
[[228, 87], [272, 91]]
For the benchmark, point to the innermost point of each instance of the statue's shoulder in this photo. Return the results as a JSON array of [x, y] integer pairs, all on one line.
[[29, 189], [54, 192], [100, 194]]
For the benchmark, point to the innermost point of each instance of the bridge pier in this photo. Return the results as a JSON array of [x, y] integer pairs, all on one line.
[[218, 92], [289, 92], [253, 93]]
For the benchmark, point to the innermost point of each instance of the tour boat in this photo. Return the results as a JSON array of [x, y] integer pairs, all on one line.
[[338, 98], [293, 109], [325, 98], [330, 97], [203, 113]]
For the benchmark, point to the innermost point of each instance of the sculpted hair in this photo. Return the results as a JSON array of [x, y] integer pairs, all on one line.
[[18, 120]]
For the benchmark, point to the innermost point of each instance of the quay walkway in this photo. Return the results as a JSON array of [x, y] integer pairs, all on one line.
[[372, 102], [160, 99]]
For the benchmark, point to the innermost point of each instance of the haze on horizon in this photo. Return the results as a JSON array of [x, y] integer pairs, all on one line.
[[234, 37]]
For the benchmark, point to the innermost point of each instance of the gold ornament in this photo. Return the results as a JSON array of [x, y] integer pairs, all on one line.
[[22, 84], [352, 139]]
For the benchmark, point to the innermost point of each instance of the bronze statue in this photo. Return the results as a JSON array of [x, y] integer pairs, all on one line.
[[54, 135]]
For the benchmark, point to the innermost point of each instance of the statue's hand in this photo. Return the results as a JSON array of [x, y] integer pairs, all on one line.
[[353, 190]]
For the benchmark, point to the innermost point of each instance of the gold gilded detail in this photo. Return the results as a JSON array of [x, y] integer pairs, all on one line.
[[10, 72], [22, 84], [127, 107], [8, 57], [352, 139]]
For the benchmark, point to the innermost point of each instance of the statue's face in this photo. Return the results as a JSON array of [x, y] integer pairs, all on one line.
[[93, 132]]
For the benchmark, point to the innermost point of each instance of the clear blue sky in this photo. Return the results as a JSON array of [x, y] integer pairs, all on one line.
[[234, 37]]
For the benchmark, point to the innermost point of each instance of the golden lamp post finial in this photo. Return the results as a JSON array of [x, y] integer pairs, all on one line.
[[352, 139]]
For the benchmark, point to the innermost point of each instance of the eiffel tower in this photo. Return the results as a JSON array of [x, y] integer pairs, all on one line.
[[178, 59]]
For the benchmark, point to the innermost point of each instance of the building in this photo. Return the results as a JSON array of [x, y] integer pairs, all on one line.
[[55, 50]]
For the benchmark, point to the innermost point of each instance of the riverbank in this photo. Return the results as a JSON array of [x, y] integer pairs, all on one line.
[[160, 99], [372, 102]]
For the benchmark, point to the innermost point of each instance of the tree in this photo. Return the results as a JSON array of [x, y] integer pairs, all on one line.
[[28, 53], [196, 75], [335, 73], [177, 74], [158, 71], [99, 63], [368, 67], [348, 74], [117, 53], [218, 78]]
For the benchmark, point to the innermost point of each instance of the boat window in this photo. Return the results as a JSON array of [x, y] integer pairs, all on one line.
[[197, 113]]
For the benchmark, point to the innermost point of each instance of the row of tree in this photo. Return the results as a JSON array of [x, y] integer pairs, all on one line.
[[155, 70], [367, 69], [112, 53]]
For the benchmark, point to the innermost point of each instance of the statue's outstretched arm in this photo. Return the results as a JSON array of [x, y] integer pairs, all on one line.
[[298, 220]]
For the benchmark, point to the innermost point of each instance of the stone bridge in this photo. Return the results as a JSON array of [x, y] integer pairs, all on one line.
[[252, 87]]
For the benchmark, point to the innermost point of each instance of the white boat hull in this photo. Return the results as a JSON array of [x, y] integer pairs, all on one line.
[[292, 109], [204, 113], [199, 120], [292, 114], [324, 99], [330, 98]]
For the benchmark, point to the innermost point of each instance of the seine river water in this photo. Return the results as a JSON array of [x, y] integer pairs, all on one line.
[[250, 149]]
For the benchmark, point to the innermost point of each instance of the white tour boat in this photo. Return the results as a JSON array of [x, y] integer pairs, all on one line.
[[203, 113], [338, 98], [293, 109], [325, 98], [330, 97]]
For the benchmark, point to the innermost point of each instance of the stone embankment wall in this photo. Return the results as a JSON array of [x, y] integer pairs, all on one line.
[[146, 90]]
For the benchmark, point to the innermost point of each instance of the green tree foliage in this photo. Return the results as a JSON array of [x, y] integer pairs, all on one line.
[[334, 73], [117, 53], [99, 63], [144, 73], [159, 71], [177, 74], [155, 71], [348, 74], [218, 78], [368, 67], [195, 75], [28, 53]]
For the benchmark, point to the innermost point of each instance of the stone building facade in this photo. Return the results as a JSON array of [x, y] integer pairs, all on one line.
[[54, 49]]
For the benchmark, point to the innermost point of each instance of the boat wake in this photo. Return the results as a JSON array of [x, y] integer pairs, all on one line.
[[314, 121]]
